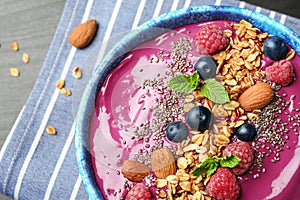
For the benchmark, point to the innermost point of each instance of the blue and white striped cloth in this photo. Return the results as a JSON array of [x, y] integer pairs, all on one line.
[[37, 165]]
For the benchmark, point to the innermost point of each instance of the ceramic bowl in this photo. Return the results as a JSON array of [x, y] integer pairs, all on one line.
[[143, 33]]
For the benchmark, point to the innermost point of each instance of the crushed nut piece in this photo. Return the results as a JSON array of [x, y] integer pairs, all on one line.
[[60, 84], [185, 185], [77, 72], [198, 95], [65, 92], [222, 140], [160, 183], [290, 55], [162, 194], [188, 106], [182, 163], [240, 62]]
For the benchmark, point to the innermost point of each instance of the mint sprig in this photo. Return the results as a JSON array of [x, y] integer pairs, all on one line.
[[184, 83], [210, 165], [211, 89], [214, 91]]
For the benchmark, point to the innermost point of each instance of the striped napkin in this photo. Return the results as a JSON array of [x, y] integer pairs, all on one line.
[[37, 165]]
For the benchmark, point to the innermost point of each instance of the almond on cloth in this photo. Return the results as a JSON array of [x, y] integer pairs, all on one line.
[[163, 163], [134, 170], [256, 97], [83, 34]]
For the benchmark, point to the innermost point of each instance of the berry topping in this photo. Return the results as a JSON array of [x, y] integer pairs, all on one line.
[[244, 152], [246, 132], [199, 118], [223, 185], [275, 48], [206, 66], [210, 39], [177, 131], [280, 72], [139, 192]]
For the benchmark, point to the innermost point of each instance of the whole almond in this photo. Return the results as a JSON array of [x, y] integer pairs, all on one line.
[[134, 170], [256, 97], [83, 34], [163, 163]]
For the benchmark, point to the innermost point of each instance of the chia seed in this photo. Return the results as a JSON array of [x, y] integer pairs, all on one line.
[[180, 50], [143, 156], [273, 131]]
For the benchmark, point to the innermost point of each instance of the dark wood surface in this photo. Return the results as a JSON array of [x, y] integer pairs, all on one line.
[[289, 7], [32, 23]]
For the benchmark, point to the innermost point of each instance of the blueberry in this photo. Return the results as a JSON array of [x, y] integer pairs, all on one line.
[[207, 67], [199, 118], [177, 131], [275, 48], [246, 132]]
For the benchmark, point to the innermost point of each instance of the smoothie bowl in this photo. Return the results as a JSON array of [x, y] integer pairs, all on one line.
[[200, 103]]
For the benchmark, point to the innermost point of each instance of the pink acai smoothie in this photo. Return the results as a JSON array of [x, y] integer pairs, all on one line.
[[126, 124]]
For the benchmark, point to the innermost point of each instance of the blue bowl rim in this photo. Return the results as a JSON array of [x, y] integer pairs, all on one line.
[[142, 34]]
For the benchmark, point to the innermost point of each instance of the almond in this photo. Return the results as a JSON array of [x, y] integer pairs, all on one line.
[[256, 97], [83, 34], [134, 170], [163, 163]]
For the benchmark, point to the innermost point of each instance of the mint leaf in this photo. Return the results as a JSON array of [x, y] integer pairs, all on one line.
[[195, 79], [214, 91], [208, 166], [229, 161], [184, 83]]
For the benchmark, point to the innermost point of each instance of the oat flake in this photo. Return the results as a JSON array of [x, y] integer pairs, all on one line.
[[15, 46], [25, 58], [51, 130], [14, 72]]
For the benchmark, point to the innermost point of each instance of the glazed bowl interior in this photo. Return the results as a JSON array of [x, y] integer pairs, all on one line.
[[145, 32]]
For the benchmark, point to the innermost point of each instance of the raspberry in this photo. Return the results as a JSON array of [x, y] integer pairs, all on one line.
[[280, 72], [242, 150], [223, 185], [210, 38], [138, 192]]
